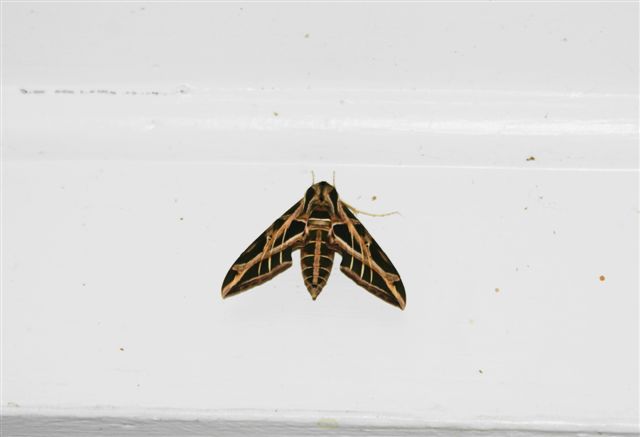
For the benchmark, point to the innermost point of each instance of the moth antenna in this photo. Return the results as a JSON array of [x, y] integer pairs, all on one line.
[[358, 211], [334, 178], [313, 178]]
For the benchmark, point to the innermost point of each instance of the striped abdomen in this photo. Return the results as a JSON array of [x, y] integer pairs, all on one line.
[[317, 259]]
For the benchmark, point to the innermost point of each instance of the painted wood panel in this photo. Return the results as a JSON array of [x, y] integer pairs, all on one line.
[[146, 145]]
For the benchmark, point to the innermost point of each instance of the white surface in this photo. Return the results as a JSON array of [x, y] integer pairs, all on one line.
[[107, 422], [122, 212]]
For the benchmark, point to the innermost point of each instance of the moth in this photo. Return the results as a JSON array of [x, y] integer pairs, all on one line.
[[320, 224]]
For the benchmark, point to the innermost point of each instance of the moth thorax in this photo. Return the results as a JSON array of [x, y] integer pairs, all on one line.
[[321, 224]]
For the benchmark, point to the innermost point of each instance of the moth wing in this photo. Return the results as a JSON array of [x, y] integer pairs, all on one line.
[[268, 255], [364, 261]]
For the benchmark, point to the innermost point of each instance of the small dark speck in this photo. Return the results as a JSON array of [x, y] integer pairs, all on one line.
[[526, 208], [275, 114], [121, 349], [142, 9], [480, 371], [531, 158], [84, 284], [602, 278], [540, 197], [181, 219], [546, 115], [564, 40], [374, 198], [23, 91], [306, 35], [497, 290]]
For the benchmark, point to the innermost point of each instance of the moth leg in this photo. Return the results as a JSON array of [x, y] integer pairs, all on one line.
[[359, 211]]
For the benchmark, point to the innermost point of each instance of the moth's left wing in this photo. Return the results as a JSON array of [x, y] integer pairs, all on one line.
[[364, 261], [268, 255]]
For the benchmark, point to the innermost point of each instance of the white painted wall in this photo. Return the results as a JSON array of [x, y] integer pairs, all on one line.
[[145, 145]]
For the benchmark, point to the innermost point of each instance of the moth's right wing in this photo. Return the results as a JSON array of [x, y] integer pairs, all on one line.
[[269, 254], [364, 261]]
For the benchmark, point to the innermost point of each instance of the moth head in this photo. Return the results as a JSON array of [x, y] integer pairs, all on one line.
[[322, 195]]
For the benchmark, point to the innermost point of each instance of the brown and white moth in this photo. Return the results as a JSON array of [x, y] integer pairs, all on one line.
[[320, 224]]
